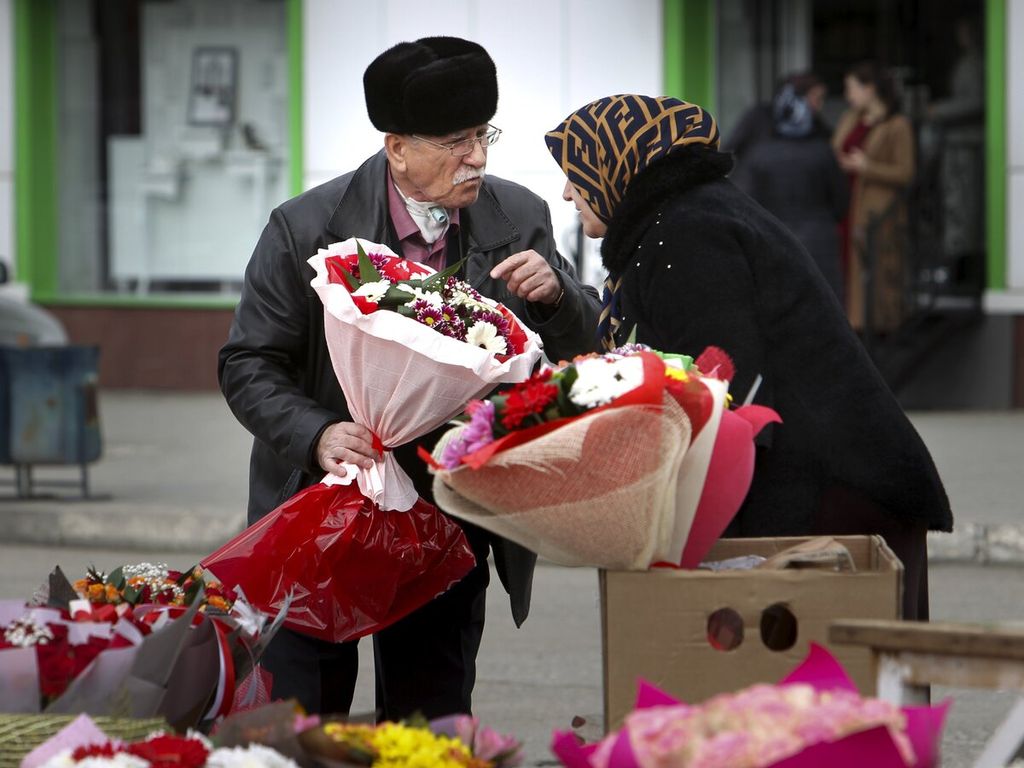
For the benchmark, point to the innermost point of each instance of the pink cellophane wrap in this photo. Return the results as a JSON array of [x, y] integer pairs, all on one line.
[[874, 746], [402, 379]]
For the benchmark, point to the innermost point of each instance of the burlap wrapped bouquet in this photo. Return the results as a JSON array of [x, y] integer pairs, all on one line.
[[587, 464]]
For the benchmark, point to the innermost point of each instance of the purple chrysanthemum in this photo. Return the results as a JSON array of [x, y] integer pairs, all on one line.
[[428, 314]]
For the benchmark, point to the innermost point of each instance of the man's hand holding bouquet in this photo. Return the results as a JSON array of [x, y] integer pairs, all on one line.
[[410, 348], [623, 460]]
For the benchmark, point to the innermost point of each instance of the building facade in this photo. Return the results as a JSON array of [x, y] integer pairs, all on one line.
[[146, 141]]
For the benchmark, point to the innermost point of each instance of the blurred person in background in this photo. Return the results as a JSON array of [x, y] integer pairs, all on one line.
[[875, 146], [794, 174]]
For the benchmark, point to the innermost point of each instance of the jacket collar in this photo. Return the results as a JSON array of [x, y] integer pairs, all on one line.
[[363, 212], [683, 169]]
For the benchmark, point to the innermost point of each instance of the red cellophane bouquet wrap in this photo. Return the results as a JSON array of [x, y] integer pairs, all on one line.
[[624, 460], [813, 717], [410, 348]]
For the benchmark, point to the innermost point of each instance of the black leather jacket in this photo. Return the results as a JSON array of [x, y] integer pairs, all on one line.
[[275, 370]]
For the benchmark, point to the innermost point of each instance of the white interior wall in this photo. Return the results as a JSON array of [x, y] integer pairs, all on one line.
[[7, 133], [552, 57]]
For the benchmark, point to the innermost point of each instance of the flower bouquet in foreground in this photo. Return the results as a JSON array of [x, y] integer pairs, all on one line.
[[278, 735], [141, 641], [410, 348], [623, 460], [813, 717], [82, 743]]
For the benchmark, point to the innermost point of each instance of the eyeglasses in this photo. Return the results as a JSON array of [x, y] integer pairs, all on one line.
[[464, 147]]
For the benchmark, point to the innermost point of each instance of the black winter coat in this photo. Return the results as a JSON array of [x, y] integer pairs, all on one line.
[[703, 264], [275, 370]]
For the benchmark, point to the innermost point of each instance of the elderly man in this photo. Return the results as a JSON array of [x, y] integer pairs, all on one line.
[[424, 195]]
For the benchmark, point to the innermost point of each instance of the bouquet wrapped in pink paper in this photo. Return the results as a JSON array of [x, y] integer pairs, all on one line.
[[623, 460], [813, 717], [410, 348], [143, 640]]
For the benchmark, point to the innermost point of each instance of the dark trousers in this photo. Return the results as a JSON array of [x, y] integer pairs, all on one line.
[[424, 663], [846, 513]]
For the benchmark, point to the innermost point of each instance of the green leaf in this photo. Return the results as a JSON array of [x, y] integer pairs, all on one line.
[[350, 280], [405, 311], [367, 272], [116, 578], [434, 282], [131, 594]]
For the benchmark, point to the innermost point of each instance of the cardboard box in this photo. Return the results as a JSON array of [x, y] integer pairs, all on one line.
[[655, 624]]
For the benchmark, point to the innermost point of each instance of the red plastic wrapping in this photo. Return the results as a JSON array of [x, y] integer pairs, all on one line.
[[352, 568]]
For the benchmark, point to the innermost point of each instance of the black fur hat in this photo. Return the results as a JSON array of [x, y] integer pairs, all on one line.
[[434, 86]]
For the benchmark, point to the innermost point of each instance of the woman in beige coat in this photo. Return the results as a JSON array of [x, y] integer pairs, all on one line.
[[875, 147]]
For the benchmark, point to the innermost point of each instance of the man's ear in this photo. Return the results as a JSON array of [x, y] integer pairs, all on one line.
[[396, 145]]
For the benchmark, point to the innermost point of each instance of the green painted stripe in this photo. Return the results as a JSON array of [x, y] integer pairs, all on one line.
[[690, 49], [995, 143], [35, 145], [295, 156]]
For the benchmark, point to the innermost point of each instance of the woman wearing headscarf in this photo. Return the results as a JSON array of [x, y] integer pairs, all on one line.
[[875, 146], [694, 262], [794, 174]]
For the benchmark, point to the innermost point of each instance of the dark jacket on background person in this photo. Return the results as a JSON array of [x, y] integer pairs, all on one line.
[[702, 264], [275, 370], [799, 181]]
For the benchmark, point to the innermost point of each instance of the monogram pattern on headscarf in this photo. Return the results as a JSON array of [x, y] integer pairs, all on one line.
[[602, 146]]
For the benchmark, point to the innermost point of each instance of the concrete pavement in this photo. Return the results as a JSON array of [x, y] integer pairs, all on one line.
[[540, 677], [174, 469], [171, 487]]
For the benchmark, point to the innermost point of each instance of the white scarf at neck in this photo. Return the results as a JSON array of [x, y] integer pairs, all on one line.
[[431, 219]]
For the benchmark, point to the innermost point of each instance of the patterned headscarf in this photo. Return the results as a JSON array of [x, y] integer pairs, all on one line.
[[602, 146]]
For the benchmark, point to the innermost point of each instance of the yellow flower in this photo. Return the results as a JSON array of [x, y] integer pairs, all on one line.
[[676, 373], [400, 746]]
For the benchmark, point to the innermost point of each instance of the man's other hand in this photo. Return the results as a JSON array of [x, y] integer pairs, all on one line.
[[530, 277]]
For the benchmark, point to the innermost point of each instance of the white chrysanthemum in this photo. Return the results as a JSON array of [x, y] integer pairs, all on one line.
[[372, 291], [253, 756], [431, 297], [601, 380], [484, 334]]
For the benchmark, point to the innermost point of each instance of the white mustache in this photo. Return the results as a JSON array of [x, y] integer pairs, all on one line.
[[467, 174]]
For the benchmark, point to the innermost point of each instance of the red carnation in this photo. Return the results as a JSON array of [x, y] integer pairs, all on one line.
[[530, 397], [96, 750], [170, 751]]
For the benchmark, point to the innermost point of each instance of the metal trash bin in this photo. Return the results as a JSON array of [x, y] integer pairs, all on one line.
[[48, 404]]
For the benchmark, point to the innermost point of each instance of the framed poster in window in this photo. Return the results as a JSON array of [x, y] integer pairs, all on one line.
[[214, 86]]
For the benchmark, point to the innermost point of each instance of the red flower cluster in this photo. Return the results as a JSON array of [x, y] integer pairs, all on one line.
[[159, 751], [529, 398]]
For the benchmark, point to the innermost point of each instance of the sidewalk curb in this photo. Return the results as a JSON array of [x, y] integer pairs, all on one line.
[[117, 525], [1001, 544], [180, 528]]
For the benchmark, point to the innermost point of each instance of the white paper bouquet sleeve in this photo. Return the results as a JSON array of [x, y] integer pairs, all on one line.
[[401, 378]]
